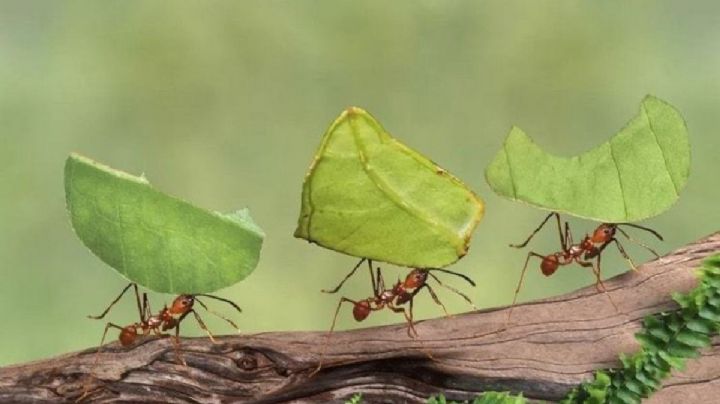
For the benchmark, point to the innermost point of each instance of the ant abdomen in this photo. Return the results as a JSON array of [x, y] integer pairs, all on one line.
[[361, 310], [128, 335], [549, 265]]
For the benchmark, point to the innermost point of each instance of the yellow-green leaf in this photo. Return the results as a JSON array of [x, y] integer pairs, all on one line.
[[154, 239], [370, 196], [635, 175]]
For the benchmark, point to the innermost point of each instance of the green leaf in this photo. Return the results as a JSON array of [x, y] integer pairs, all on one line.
[[627, 396], [153, 239], [637, 174], [370, 196], [709, 313], [649, 342], [355, 399], [659, 333], [694, 339], [682, 350], [437, 400], [677, 363], [646, 380], [701, 325], [635, 387]]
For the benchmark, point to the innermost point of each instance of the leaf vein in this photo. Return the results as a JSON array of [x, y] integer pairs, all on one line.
[[662, 151], [617, 169], [395, 197]]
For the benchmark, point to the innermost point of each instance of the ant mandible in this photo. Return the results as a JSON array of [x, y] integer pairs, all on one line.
[[168, 318], [582, 253], [401, 293]]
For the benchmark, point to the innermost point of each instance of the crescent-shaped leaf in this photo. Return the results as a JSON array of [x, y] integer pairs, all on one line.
[[635, 175], [154, 239], [370, 196]]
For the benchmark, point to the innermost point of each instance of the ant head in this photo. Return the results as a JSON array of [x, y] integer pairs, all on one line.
[[361, 310], [416, 278], [182, 304], [604, 233]]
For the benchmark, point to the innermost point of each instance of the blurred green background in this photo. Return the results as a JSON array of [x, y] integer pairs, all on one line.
[[224, 103]]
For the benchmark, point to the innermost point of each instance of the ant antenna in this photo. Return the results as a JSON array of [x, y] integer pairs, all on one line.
[[464, 296], [216, 314], [647, 229], [465, 277], [637, 242], [230, 302]]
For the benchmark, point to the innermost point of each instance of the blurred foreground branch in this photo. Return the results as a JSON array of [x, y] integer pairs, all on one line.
[[550, 347]]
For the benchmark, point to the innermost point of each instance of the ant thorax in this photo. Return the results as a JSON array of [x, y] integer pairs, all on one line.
[[387, 295], [575, 250], [154, 321]]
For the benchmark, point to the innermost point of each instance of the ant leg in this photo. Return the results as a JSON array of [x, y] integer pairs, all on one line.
[[434, 297], [102, 340], [86, 388], [176, 339], [411, 331], [519, 286], [346, 278], [464, 296], [202, 325], [176, 342], [117, 299], [232, 324], [599, 285], [108, 326], [146, 310], [557, 216], [568, 237], [624, 254], [380, 283], [641, 244], [329, 333]]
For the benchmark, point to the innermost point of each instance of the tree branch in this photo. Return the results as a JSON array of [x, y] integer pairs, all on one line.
[[550, 347]]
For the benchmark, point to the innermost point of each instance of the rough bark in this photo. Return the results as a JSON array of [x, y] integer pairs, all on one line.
[[550, 347]]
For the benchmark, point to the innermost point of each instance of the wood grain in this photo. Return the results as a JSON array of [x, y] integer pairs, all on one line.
[[550, 347]]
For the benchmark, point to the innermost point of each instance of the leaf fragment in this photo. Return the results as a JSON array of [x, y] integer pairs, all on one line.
[[368, 195], [153, 239], [635, 175]]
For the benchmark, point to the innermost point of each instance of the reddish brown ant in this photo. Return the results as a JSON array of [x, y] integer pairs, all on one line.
[[167, 319], [582, 253], [403, 292]]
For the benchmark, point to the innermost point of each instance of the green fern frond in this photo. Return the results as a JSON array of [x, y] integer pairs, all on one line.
[[667, 341], [490, 397], [355, 399]]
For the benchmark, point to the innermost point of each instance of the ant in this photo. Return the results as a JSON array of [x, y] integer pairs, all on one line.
[[582, 253], [401, 293], [168, 318]]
